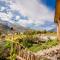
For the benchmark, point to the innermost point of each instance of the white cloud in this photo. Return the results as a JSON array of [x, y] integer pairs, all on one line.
[[10, 14], [17, 17], [4, 16], [2, 8], [37, 12]]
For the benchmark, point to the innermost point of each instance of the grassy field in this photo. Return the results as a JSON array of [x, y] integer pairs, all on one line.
[[27, 40], [42, 46]]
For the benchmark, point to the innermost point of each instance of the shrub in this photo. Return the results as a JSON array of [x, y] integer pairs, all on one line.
[[27, 43], [4, 49]]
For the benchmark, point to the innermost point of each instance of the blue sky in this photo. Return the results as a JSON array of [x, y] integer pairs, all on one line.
[[35, 14], [49, 3]]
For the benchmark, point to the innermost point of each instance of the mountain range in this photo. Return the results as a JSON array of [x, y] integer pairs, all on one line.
[[6, 26]]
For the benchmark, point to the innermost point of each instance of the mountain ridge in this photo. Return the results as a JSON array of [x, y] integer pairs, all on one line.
[[7, 26]]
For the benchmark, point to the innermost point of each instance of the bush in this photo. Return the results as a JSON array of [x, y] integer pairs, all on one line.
[[27, 43], [30, 32], [4, 49]]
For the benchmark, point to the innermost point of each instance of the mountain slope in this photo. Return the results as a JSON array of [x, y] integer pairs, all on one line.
[[53, 29], [7, 26]]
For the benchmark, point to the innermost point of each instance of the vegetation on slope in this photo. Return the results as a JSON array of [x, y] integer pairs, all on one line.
[[9, 43]]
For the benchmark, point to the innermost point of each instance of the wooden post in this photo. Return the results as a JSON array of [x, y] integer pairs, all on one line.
[[58, 31], [57, 18]]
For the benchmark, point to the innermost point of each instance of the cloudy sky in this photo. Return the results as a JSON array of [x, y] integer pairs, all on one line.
[[35, 14]]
